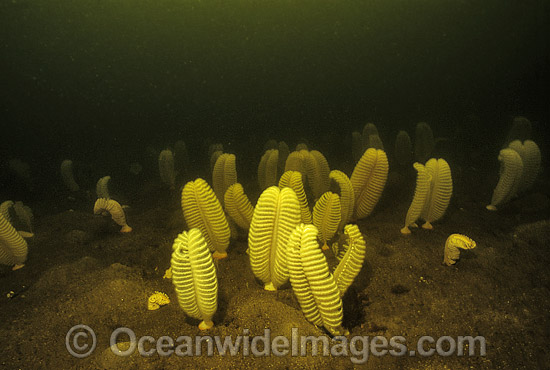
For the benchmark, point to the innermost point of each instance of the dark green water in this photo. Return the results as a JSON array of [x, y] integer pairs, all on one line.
[[81, 79]]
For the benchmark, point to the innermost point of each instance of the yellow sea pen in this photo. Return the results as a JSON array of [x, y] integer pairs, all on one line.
[[166, 168], [511, 169], [347, 196], [327, 216], [312, 282], [452, 245], [13, 249], [441, 191], [202, 210], [238, 206], [530, 157], [224, 175], [194, 277], [267, 169], [298, 279], [368, 180], [102, 187], [421, 193], [295, 162], [351, 263], [276, 215], [67, 175], [115, 210], [318, 170], [370, 137], [293, 180]]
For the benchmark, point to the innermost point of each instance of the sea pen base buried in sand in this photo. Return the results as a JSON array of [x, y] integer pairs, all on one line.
[[427, 226], [206, 324], [406, 230], [219, 255], [125, 229], [194, 277]]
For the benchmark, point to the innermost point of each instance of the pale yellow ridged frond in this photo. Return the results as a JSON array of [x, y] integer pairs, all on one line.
[[452, 245], [194, 277], [375, 142], [307, 161], [347, 196], [511, 169], [531, 164], [67, 175], [421, 194], [230, 172], [13, 249], [321, 282], [115, 210], [224, 175], [5, 209], [310, 167], [368, 180], [369, 130], [350, 265], [202, 210], [441, 190], [295, 162], [293, 179], [276, 215], [166, 168], [298, 279], [326, 216], [530, 157], [267, 169], [238, 206], [318, 170]]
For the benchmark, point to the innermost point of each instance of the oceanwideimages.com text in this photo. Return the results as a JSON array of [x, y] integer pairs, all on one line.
[[81, 341]]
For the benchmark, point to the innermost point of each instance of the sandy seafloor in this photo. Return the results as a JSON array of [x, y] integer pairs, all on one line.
[[81, 270]]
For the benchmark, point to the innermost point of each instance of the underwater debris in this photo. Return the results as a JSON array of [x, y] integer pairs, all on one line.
[[157, 300]]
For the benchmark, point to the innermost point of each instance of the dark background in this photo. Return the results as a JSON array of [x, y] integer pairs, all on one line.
[[89, 79]]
